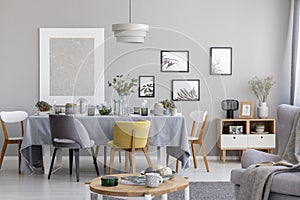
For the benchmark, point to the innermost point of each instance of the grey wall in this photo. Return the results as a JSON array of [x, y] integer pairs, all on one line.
[[257, 30]]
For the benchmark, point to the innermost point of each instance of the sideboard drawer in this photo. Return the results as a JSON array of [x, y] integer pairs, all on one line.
[[233, 141], [262, 141]]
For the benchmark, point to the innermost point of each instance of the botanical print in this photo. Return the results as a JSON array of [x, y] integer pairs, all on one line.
[[176, 61], [146, 86], [221, 60], [186, 90]]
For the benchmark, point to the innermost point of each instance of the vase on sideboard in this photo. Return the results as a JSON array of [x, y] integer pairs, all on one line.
[[263, 110]]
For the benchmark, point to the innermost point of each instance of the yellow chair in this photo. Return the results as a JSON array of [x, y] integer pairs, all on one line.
[[199, 118], [130, 137], [7, 118]]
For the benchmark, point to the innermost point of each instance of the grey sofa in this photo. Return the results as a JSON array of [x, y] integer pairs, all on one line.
[[285, 186]]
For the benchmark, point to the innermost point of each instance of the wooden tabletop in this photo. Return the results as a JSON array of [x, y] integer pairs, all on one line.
[[177, 183]]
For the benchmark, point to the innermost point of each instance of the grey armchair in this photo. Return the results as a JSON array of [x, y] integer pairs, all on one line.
[[284, 185], [68, 132]]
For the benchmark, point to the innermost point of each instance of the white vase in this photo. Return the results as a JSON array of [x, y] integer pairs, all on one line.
[[173, 111], [263, 110]]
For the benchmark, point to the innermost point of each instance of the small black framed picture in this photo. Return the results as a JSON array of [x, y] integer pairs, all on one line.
[[186, 90], [146, 86], [174, 61], [221, 60]]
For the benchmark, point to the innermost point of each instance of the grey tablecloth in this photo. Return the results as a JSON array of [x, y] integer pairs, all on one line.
[[164, 131]]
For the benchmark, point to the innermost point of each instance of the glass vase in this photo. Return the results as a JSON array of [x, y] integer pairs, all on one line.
[[121, 107]]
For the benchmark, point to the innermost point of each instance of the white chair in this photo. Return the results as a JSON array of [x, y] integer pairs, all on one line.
[[7, 118], [199, 119]]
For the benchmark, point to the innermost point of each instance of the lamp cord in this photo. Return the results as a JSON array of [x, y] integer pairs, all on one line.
[[129, 11]]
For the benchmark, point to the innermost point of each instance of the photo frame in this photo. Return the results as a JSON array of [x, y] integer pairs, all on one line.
[[186, 90], [247, 109], [71, 65], [146, 86], [174, 61], [221, 60]]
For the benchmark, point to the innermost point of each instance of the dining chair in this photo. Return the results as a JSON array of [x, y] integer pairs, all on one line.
[[8, 118], [68, 132], [105, 155], [130, 137], [199, 121]]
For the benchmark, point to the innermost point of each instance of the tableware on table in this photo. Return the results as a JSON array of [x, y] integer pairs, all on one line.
[[153, 179], [91, 110], [158, 109], [136, 110], [144, 111], [109, 181]]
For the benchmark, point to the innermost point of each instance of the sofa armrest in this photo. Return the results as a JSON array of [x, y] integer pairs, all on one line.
[[252, 156]]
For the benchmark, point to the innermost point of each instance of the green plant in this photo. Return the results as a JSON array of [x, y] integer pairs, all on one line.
[[261, 87], [122, 85], [43, 106], [169, 104], [104, 110]]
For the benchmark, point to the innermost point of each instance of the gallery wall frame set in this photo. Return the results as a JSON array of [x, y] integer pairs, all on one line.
[[185, 90], [221, 60], [146, 86], [174, 61]]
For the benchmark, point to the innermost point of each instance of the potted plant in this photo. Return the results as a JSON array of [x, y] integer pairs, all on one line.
[[43, 106], [169, 106], [262, 88], [104, 110]]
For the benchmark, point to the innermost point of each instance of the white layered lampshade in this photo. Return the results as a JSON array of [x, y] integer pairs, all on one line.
[[130, 33]]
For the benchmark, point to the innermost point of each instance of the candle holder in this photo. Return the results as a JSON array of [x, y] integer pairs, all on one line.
[[144, 111]]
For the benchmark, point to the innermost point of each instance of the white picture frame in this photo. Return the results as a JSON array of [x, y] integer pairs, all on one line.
[[71, 65]]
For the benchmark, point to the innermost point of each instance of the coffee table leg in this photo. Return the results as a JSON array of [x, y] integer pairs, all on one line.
[[147, 197], [187, 193], [164, 197]]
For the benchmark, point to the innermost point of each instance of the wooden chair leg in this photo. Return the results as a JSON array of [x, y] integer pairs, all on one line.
[[111, 163], [77, 163], [177, 165], [42, 165], [95, 161], [194, 155], [19, 156], [204, 157], [126, 161], [52, 162], [133, 166], [3, 152], [147, 157], [97, 151], [70, 161]]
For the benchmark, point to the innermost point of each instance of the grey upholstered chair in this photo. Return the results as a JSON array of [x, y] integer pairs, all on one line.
[[68, 132], [284, 185]]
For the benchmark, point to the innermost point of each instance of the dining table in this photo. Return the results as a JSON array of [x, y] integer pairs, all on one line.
[[166, 132]]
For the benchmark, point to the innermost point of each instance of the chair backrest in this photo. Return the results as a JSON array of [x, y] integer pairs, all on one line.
[[68, 127], [285, 117], [123, 133], [12, 117], [199, 118]]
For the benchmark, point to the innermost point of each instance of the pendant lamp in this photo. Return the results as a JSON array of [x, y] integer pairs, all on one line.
[[130, 33]]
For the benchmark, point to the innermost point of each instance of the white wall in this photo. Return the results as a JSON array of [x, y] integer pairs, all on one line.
[[257, 30]]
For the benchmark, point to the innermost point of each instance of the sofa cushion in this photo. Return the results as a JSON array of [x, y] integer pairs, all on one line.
[[283, 183]]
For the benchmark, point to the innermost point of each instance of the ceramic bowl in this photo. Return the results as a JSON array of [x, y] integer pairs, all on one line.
[[109, 181]]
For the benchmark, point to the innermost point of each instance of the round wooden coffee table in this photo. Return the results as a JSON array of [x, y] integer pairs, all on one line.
[[124, 190]]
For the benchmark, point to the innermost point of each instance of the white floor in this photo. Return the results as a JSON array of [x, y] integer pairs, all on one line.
[[63, 186]]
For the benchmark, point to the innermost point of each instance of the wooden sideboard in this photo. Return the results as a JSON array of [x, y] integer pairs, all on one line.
[[240, 134]]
